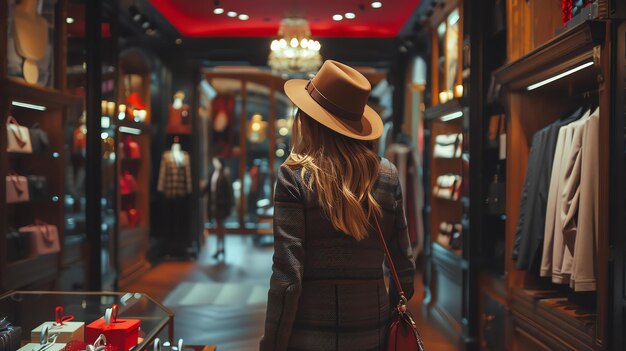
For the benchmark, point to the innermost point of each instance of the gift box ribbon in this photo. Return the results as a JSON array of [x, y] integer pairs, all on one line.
[[60, 317]]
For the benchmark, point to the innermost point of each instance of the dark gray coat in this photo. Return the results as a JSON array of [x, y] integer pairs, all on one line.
[[327, 290]]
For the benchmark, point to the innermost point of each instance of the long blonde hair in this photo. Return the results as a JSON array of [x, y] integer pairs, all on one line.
[[342, 170]]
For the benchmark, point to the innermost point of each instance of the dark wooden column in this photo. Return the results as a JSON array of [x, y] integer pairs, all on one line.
[[93, 184]]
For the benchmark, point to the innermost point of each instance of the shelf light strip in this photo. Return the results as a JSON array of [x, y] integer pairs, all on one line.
[[559, 76], [27, 105], [451, 116], [129, 130]]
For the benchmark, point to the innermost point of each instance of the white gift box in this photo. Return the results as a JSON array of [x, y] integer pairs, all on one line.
[[67, 332], [36, 346]]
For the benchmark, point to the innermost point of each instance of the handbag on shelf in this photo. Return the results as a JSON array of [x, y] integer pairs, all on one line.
[[16, 189], [448, 186], [134, 217], [18, 245], [402, 332], [37, 187], [448, 145], [44, 238], [131, 148], [128, 185], [18, 137], [39, 139]]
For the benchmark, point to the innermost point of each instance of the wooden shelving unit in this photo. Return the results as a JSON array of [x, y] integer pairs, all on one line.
[[544, 315], [36, 272], [132, 242]]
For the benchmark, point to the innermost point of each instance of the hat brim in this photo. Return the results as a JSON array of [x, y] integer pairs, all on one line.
[[369, 127]]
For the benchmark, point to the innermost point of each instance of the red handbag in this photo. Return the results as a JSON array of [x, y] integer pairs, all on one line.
[[402, 334], [134, 217], [131, 148], [128, 185]]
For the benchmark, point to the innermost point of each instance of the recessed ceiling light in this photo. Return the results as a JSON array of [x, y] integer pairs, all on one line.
[[218, 11], [69, 20], [231, 14], [377, 4], [349, 15], [337, 17], [244, 17]]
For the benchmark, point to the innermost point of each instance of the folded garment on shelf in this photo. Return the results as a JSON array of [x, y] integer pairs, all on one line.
[[448, 145], [448, 186]]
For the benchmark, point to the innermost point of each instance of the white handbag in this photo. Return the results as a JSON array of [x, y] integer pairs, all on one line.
[[44, 238], [16, 189], [448, 186], [448, 145], [18, 137]]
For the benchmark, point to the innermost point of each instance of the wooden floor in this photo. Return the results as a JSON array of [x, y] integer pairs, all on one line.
[[224, 303]]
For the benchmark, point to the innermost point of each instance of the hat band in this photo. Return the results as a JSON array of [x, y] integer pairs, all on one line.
[[330, 106]]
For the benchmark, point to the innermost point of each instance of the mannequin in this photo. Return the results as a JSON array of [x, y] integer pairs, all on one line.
[[175, 185], [179, 120], [31, 38], [177, 151], [221, 198]]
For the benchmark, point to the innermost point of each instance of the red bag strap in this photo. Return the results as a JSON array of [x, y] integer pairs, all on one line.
[[44, 229], [12, 120], [15, 180], [17, 134], [392, 267]]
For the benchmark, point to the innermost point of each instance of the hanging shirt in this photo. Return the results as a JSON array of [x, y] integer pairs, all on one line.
[[529, 234]]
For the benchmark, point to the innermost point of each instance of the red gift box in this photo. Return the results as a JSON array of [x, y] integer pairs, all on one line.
[[121, 333]]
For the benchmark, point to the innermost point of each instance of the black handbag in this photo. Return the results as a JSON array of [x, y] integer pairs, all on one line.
[[37, 188], [39, 139], [18, 245], [10, 336]]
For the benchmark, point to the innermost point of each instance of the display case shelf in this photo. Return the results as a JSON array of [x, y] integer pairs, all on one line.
[[28, 309], [36, 94]]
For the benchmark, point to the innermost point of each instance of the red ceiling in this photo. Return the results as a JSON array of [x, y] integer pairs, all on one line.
[[195, 18]]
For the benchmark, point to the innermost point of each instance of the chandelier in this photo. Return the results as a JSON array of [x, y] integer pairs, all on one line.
[[295, 53]]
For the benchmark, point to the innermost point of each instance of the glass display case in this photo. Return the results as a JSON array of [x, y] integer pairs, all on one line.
[[30, 309]]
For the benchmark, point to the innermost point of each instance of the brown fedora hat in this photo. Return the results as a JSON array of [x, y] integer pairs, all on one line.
[[337, 98]]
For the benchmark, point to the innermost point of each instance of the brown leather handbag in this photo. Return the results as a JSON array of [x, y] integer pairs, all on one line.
[[402, 334]]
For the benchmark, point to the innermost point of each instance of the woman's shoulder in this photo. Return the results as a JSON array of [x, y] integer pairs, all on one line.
[[289, 182], [388, 171]]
